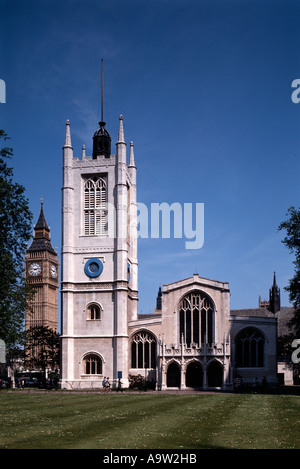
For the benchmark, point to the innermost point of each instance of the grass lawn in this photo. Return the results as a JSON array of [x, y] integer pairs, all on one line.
[[148, 421]]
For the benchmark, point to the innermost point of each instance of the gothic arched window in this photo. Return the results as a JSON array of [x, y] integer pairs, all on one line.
[[249, 346], [196, 319], [95, 213], [93, 311], [143, 350], [92, 364]]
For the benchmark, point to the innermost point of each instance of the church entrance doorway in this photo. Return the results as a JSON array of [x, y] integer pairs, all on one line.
[[173, 376], [215, 375], [194, 375]]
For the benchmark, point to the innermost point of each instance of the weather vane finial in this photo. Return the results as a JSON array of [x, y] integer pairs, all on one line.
[[101, 90]]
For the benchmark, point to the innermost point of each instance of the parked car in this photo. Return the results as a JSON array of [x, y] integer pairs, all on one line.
[[3, 384], [30, 382]]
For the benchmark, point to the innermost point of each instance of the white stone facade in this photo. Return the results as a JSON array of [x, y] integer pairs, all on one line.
[[193, 355], [96, 308], [191, 341]]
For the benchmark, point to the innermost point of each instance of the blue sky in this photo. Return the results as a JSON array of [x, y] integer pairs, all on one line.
[[205, 91]]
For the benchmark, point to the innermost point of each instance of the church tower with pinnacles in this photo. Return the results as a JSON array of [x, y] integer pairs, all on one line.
[[99, 286]]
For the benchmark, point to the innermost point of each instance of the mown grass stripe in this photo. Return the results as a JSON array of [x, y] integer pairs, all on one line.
[[57, 421]]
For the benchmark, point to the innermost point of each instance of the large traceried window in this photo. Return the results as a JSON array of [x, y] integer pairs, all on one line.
[[95, 210], [143, 350], [196, 319], [250, 348]]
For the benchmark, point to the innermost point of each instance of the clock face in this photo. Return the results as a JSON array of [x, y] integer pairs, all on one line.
[[35, 269], [53, 271]]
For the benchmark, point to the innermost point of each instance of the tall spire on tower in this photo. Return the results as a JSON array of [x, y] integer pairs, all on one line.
[[41, 237], [102, 83], [101, 139], [41, 223], [274, 296]]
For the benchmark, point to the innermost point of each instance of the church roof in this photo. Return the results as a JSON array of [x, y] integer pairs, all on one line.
[[41, 244], [284, 315], [253, 312]]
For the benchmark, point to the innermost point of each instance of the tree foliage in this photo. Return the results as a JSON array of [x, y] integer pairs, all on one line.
[[42, 348], [292, 242], [15, 232]]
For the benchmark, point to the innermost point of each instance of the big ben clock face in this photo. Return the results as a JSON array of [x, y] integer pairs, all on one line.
[[35, 269], [53, 271]]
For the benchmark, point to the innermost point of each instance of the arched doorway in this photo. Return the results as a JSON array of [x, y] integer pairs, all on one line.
[[173, 376], [194, 375], [215, 374]]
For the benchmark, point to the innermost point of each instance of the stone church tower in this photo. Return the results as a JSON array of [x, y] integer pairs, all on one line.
[[99, 287], [41, 272]]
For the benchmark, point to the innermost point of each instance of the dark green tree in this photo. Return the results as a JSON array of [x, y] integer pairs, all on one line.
[[292, 242], [15, 232], [42, 348]]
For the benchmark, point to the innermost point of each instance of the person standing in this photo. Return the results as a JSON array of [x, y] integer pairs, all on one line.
[[119, 386], [104, 384], [107, 385]]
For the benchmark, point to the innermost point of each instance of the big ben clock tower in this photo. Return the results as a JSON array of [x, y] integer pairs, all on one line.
[[41, 272]]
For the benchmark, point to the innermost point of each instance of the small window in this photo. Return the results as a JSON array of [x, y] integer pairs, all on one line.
[[93, 312], [92, 365]]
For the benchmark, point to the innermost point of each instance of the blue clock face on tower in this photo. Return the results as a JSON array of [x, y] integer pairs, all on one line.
[[93, 268]]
